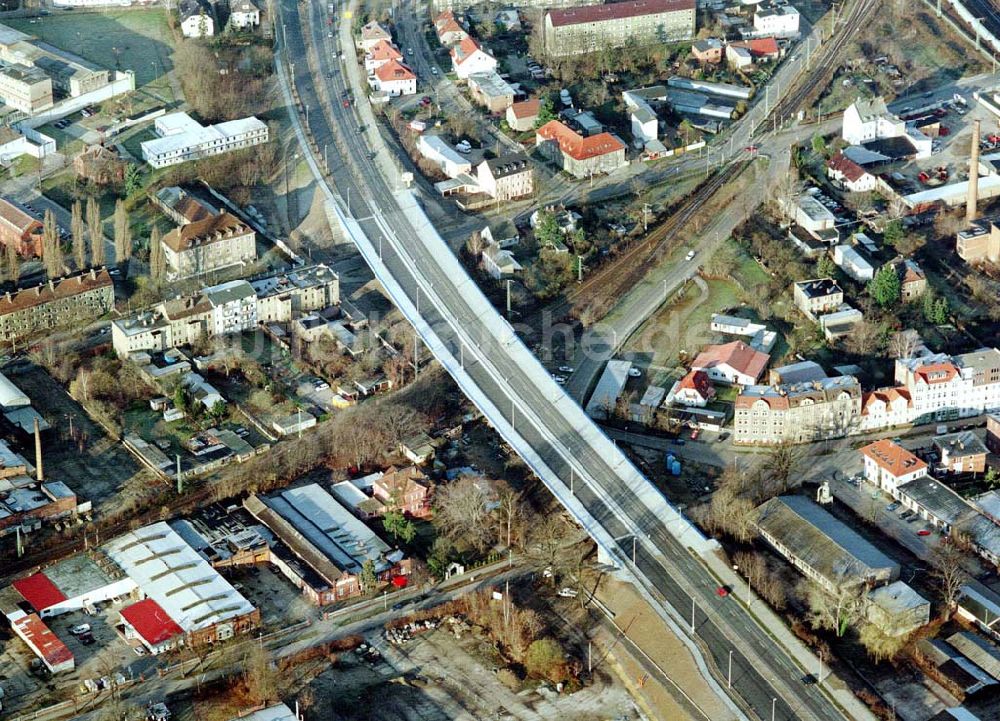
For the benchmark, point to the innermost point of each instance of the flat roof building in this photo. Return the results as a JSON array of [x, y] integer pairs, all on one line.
[[182, 138], [610, 385]]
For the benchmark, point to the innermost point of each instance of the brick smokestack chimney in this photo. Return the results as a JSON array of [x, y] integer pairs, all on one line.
[[39, 473], [971, 209]]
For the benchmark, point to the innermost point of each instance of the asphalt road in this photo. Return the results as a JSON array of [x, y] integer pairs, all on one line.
[[763, 671]]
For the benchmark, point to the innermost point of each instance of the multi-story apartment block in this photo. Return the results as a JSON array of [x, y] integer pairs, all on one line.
[[993, 432], [234, 307], [58, 303], [796, 413], [225, 309], [26, 89], [219, 241], [587, 29], [280, 297], [182, 138], [506, 177], [19, 229], [944, 387]]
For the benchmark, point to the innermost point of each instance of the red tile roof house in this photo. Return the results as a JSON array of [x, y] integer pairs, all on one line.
[[765, 49], [849, 174], [734, 363], [407, 489], [393, 78], [694, 389], [580, 156], [449, 31], [379, 55], [523, 116], [468, 58], [885, 408], [888, 465]]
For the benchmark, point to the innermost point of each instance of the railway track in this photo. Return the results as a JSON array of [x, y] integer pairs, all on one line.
[[614, 278], [824, 66]]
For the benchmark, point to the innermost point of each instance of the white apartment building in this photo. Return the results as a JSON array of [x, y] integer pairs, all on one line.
[[866, 120], [234, 307], [944, 387], [245, 14], [182, 138], [781, 21], [889, 465]]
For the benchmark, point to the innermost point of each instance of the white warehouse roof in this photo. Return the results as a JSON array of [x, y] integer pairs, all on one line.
[[10, 395], [173, 574]]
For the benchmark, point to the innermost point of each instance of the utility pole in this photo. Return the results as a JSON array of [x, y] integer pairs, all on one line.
[[180, 476], [729, 678], [645, 217], [508, 299], [692, 614]]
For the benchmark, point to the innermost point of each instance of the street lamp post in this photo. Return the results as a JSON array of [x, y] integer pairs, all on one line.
[[774, 706], [729, 679]]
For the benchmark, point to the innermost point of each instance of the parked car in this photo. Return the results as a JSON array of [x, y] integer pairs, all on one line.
[[923, 532], [892, 507], [690, 255], [565, 369], [635, 372], [80, 629]]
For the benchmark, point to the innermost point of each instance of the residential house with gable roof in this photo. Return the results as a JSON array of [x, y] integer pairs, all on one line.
[[468, 57], [580, 156], [733, 363]]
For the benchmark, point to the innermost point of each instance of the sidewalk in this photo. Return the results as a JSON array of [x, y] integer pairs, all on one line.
[[657, 667]]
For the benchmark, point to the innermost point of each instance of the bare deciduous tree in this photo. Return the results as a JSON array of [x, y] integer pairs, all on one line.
[[947, 559], [461, 511], [835, 611]]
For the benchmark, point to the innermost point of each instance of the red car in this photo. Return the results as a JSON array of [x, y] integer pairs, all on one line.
[[426, 100], [347, 103], [923, 532], [722, 591]]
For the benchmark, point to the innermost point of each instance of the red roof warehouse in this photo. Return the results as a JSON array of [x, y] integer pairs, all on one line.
[[151, 622], [39, 591]]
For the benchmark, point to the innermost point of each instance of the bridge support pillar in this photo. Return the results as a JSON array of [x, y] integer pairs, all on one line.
[[605, 558]]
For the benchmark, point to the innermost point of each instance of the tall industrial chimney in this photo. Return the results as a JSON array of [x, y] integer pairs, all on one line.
[[39, 474], [971, 209]]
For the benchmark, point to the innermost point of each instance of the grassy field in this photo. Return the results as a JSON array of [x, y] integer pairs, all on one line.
[[137, 40]]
